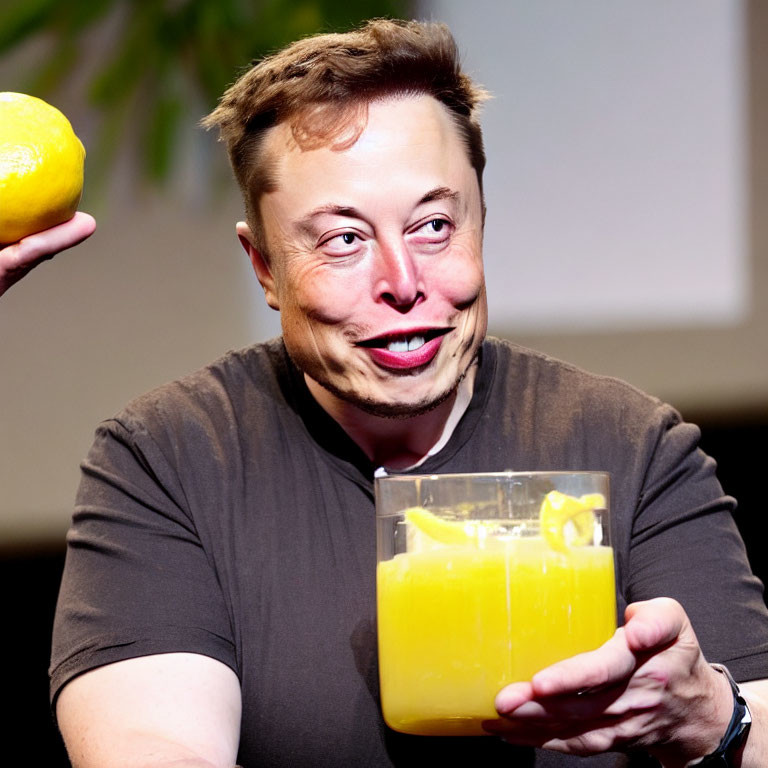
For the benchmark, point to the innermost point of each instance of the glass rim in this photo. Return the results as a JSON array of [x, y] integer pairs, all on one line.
[[491, 475]]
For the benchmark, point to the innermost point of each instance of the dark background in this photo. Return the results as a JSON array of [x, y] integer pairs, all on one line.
[[30, 582]]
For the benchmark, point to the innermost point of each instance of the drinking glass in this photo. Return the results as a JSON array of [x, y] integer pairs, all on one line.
[[483, 580]]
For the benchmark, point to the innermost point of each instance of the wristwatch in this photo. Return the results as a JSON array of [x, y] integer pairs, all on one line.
[[736, 733]]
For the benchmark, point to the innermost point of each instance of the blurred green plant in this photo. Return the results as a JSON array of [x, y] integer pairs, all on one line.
[[167, 58]]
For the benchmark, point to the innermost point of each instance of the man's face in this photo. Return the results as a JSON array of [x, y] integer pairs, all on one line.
[[375, 258]]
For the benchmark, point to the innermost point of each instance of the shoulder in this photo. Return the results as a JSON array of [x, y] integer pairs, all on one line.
[[548, 402], [533, 376], [241, 387], [199, 430], [232, 379]]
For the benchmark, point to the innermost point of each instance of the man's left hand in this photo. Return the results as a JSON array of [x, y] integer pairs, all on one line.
[[648, 687]]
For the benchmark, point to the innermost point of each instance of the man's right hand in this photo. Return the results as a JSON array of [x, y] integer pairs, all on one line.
[[648, 687], [18, 259]]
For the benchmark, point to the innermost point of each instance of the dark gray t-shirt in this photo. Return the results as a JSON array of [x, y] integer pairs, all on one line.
[[226, 514]]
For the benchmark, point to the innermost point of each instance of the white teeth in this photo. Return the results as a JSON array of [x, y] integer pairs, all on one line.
[[404, 345]]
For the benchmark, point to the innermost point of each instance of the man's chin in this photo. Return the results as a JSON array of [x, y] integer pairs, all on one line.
[[401, 410], [391, 410]]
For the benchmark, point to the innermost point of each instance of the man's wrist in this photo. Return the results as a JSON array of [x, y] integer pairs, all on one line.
[[728, 752]]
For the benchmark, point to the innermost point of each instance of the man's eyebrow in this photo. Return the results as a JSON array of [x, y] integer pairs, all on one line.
[[350, 212], [330, 209], [439, 193]]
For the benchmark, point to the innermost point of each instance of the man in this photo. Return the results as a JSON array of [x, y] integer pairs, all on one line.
[[19, 259], [218, 602]]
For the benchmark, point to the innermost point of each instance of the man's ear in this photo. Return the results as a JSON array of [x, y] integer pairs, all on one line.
[[260, 264]]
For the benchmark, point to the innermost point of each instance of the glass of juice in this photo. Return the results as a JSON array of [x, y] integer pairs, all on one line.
[[483, 580]]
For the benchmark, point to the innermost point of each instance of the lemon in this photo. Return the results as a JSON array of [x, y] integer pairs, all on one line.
[[41, 166], [567, 521], [428, 531]]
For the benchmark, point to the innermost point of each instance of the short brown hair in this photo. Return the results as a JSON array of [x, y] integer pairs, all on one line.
[[312, 81]]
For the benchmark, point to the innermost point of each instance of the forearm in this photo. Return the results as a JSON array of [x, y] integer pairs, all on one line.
[[131, 749], [150, 762]]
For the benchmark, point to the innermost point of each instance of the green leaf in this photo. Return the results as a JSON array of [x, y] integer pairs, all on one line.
[[23, 19], [199, 46], [160, 137], [119, 78], [55, 69]]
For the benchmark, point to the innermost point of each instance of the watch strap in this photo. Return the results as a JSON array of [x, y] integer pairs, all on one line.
[[735, 735]]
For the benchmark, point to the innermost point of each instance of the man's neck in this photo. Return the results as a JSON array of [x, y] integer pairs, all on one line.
[[397, 443]]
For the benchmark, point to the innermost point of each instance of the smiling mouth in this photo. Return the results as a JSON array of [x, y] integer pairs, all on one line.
[[404, 342]]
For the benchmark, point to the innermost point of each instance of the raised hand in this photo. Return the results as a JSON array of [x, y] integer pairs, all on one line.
[[18, 259]]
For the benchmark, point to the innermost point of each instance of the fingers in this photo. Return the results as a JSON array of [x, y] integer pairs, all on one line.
[[607, 666], [572, 736], [619, 694], [56, 239], [614, 701], [538, 734], [651, 626], [17, 259], [513, 696]]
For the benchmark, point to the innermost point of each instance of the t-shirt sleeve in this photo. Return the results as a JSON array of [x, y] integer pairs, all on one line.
[[137, 579], [685, 545]]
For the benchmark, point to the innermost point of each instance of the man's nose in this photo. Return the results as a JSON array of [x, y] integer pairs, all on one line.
[[398, 279]]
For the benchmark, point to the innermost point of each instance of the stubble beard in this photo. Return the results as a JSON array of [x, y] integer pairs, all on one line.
[[397, 411], [386, 410]]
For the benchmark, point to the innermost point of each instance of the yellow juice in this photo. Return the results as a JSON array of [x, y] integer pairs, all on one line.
[[458, 623]]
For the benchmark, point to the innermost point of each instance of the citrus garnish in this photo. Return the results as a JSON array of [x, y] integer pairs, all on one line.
[[568, 521], [564, 522], [41, 166], [428, 531]]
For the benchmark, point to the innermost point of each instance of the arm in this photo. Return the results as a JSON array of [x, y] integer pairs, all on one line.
[[17, 259], [175, 709], [142, 656], [649, 687]]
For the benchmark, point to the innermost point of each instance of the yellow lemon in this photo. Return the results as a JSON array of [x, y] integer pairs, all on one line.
[[429, 531], [41, 166], [568, 521]]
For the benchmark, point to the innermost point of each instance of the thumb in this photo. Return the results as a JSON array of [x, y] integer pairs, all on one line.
[[653, 624]]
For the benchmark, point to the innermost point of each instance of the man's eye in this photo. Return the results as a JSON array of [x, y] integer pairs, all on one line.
[[341, 244], [435, 230], [345, 238]]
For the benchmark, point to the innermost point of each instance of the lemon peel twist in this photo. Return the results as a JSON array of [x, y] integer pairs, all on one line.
[[429, 531], [568, 521]]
